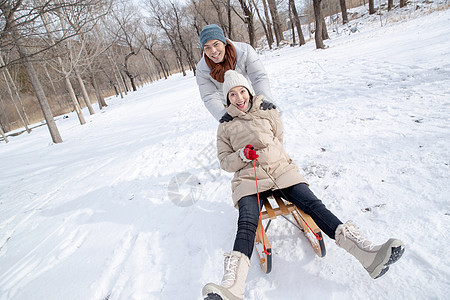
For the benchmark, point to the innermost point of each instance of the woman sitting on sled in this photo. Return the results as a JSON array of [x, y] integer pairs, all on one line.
[[256, 134]]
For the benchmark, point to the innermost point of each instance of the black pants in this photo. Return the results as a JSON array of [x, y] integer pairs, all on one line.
[[300, 195]]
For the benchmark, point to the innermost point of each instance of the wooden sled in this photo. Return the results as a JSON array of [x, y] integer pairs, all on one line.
[[285, 208]]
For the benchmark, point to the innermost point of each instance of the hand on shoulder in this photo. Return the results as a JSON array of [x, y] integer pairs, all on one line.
[[265, 105]]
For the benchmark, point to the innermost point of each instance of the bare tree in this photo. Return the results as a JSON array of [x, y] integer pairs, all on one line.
[[100, 100], [319, 24], [15, 96], [117, 75], [4, 125], [181, 38], [297, 22], [199, 13], [3, 135], [83, 20], [247, 18], [269, 24], [94, 46], [229, 9], [148, 42], [158, 10], [128, 22], [12, 32], [344, 11], [217, 4], [1, 129], [276, 21], [371, 7], [266, 26], [66, 71], [325, 35], [107, 36]]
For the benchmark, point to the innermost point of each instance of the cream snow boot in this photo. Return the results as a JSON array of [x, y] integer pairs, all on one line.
[[374, 258], [236, 267]]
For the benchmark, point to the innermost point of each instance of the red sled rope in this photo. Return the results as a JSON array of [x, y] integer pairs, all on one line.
[[260, 215]]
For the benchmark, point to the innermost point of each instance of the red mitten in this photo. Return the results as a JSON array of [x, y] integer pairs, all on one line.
[[248, 153]]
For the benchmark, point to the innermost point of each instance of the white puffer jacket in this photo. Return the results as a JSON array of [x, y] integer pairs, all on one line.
[[247, 64]]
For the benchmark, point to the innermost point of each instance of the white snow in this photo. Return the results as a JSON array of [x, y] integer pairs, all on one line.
[[367, 120]]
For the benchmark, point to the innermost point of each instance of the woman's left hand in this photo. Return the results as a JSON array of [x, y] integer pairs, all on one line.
[[248, 153]]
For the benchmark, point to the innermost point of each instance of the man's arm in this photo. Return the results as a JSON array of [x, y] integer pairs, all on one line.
[[257, 74], [211, 96]]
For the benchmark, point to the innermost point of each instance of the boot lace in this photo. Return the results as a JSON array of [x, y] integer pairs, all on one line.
[[231, 263], [352, 232]]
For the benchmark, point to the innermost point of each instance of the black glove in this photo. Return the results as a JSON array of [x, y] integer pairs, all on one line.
[[226, 118], [265, 105]]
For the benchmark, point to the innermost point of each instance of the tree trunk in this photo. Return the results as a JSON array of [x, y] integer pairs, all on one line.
[[344, 11], [116, 71], [402, 3], [50, 79], [75, 103], [217, 7], [180, 62], [262, 22], [248, 20], [187, 50], [371, 7], [3, 135], [5, 125], [85, 94], [324, 30], [390, 4], [178, 54], [101, 101], [297, 23], [276, 21], [64, 72], [230, 25], [291, 21], [157, 59], [269, 25], [128, 73], [42, 99], [319, 22], [22, 114], [124, 83], [32, 75]]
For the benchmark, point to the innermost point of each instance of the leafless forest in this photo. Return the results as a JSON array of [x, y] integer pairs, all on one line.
[[58, 56]]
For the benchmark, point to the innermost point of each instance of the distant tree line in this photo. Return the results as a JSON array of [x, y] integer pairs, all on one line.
[[58, 56]]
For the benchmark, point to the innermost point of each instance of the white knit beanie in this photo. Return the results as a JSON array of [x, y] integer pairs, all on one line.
[[234, 79]]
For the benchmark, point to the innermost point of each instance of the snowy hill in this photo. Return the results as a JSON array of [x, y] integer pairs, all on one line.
[[102, 215]]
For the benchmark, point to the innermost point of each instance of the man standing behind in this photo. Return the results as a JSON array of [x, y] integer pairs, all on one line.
[[221, 55]]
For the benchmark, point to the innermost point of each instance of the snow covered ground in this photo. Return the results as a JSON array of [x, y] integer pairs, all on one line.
[[102, 215]]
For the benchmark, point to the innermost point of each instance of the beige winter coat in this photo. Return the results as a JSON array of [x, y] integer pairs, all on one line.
[[263, 130]]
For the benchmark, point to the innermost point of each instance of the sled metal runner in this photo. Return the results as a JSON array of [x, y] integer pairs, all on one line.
[[285, 208]]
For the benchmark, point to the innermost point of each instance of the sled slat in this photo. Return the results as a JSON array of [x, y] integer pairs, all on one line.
[[286, 208], [282, 206], [270, 211], [264, 259]]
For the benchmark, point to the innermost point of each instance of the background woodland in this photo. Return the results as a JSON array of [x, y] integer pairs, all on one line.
[[60, 56]]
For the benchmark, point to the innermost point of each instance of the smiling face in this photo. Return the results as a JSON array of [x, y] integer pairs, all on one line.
[[239, 97], [215, 50]]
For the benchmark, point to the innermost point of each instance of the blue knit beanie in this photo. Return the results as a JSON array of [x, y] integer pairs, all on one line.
[[212, 32]]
